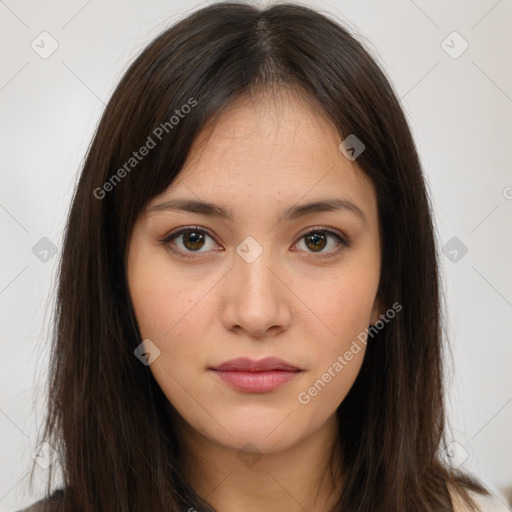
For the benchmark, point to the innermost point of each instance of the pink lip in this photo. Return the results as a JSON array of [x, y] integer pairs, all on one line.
[[256, 376], [248, 365]]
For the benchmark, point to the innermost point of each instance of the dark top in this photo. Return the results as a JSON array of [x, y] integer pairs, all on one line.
[[55, 503], [54, 499]]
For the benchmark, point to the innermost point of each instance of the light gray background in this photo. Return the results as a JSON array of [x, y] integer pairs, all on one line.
[[459, 109]]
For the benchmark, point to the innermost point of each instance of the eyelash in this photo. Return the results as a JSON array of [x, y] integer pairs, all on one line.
[[342, 243]]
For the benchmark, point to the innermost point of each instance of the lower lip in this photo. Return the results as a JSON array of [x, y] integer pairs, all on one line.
[[256, 382]]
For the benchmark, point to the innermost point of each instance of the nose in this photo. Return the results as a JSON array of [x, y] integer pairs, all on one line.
[[257, 298]]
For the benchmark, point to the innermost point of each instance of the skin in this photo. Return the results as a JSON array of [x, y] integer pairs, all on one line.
[[261, 156]]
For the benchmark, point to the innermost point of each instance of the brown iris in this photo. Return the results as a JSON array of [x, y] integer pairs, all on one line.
[[194, 238], [318, 241]]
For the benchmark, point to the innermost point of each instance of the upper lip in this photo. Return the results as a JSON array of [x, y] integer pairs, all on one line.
[[249, 365]]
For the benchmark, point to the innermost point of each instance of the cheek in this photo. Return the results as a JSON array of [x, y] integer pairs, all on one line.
[[343, 304], [336, 358], [170, 311], [161, 296], [170, 316], [329, 387], [343, 309]]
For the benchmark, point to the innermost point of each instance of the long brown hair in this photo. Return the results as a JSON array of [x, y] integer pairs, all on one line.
[[108, 420]]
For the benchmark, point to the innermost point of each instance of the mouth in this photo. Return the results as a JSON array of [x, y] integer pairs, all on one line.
[[251, 376]]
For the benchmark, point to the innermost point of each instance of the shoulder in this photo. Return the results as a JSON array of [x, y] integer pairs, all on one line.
[[50, 503], [484, 503]]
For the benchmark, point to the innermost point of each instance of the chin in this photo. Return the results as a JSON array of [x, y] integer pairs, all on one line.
[[269, 434]]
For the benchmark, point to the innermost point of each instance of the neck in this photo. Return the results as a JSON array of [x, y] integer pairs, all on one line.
[[295, 479]]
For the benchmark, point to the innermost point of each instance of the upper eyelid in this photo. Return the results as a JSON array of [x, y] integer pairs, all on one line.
[[184, 229]]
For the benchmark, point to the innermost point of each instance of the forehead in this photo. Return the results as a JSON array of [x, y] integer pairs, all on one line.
[[271, 149], [269, 130]]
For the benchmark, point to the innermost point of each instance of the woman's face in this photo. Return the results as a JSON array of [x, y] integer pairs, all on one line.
[[251, 284]]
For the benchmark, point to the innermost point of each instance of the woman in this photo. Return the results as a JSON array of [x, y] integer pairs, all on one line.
[[249, 311]]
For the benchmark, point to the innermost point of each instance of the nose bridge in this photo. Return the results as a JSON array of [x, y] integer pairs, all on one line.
[[254, 268], [257, 298]]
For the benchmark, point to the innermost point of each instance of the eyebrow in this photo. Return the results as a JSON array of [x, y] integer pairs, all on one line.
[[289, 214]]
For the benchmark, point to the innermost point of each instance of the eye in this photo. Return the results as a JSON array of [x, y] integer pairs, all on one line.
[[189, 239], [317, 239], [192, 239]]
